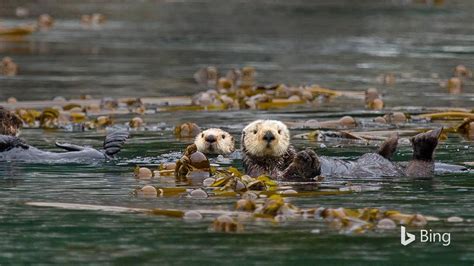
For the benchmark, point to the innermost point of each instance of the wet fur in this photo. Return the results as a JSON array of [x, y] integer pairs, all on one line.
[[259, 159], [389, 147], [278, 158], [224, 144], [10, 123], [252, 138], [273, 166], [14, 149], [424, 145]]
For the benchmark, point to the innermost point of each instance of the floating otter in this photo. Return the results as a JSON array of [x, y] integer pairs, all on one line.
[[215, 141], [267, 150], [13, 148]]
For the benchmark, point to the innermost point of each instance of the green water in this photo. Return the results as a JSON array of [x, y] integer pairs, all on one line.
[[152, 48]]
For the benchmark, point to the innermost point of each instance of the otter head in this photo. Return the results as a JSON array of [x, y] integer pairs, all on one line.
[[215, 141], [263, 138], [10, 123]]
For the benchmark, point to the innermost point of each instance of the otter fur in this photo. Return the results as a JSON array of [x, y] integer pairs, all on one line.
[[13, 148], [10, 123], [267, 150], [215, 141]]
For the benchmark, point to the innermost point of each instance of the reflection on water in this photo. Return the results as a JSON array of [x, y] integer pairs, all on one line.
[[84, 236], [152, 48]]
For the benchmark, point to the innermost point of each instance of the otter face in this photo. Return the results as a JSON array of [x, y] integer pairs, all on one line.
[[266, 138], [215, 141]]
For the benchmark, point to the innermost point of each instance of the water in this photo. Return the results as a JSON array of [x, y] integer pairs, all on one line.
[[152, 48]]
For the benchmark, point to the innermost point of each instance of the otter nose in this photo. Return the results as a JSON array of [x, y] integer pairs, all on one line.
[[211, 139], [269, 136]]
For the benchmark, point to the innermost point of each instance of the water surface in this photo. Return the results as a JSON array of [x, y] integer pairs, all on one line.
[[152, 48]]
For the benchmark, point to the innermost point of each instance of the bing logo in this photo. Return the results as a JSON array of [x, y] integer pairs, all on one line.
[[426, 236], [405, 237]]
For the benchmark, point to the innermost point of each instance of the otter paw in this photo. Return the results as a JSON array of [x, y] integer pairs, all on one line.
[[304, 166]]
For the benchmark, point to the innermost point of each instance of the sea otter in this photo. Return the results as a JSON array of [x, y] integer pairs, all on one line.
[[267, 150], [215, 141], [13, 148]]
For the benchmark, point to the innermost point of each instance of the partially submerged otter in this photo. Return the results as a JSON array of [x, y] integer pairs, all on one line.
[[267, 150], [215, 141], [13, 148]]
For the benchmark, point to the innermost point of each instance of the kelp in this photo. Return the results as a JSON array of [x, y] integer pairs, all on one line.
[[348, 220], [233, 180], [373, 99], [219, 192], [192, 108], [277, 103], [70, 106], [308, 194], [161, 191], [136, 122], [17, 31], [192, 162], [29, 116], [344, 122], [106, 106], [317, 90], [230, 182], [227, 224], [167, 212], [394, 118], [322, 135], [276, 209], [56, 118], [187, 130], [143, 172], [78, 117], [466, 128], [445, 116], [413, 110], [239, 90], [49, 118]]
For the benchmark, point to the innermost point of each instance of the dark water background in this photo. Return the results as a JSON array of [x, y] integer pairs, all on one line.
[[152, 48]]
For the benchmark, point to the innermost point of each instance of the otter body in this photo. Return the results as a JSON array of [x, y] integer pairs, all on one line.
[[270, 165], [266, 149], [32, 154], [14, 149], [368, 165]]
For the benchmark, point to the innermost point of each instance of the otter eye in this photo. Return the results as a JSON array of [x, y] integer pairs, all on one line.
[[255, 132], [202, 135], [279, 131], [223, 136]]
